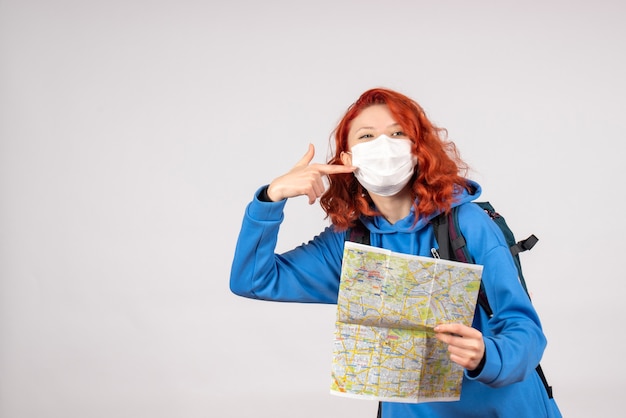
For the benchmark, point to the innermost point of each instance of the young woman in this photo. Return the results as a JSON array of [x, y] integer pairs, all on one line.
[[395, 171]]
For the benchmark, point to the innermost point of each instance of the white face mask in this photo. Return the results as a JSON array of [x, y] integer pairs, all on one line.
[[385, 165]]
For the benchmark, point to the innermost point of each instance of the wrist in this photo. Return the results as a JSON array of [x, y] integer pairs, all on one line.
[[263, 195], [270, 193]]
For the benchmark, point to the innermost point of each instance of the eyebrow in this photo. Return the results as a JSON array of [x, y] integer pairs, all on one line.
[[393, 125]]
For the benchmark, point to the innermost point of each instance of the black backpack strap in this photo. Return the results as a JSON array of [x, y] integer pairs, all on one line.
[[524, 245], [544, 381], [441, 228], [358, 233]]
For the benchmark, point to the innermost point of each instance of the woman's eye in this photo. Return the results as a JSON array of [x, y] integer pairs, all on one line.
[[366, 136], [398, 133]]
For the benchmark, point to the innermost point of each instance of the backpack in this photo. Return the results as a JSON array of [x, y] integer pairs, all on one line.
[[452, 247]]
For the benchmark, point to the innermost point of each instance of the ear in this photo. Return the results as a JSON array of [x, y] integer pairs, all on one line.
[[346, 158]]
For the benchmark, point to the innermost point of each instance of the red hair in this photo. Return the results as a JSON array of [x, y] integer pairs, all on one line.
[[438, 172]]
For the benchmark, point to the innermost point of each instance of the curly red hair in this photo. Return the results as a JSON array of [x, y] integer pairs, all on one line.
[[438, 175]]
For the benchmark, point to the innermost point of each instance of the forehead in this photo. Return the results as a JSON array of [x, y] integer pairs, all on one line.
[[376, 116]]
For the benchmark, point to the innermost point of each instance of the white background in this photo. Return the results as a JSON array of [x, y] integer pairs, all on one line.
[[133, 133]]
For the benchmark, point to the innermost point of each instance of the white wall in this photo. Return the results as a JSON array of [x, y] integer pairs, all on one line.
[[133, 133]]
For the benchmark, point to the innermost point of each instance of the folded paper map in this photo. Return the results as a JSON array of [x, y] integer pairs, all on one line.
[[388, 305]]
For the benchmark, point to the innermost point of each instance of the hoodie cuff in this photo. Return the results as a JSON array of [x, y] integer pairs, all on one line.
[[491, 367], [263, 209]]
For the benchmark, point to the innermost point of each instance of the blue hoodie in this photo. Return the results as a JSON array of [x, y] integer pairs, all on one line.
[[506, 386]]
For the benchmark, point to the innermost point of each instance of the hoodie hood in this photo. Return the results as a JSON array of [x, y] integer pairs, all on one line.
[[379, 225]]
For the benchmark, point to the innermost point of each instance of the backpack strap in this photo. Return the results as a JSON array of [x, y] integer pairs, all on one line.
[[441, 228], [524, 245], [358, 233]]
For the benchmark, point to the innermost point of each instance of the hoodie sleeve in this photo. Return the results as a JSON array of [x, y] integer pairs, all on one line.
[[514, 340], [308, 273]]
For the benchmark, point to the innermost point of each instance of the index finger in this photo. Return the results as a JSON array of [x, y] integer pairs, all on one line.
[[334, 169], [456, 329]]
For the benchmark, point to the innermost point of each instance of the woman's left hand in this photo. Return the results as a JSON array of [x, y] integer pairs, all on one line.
[[465, 344]]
